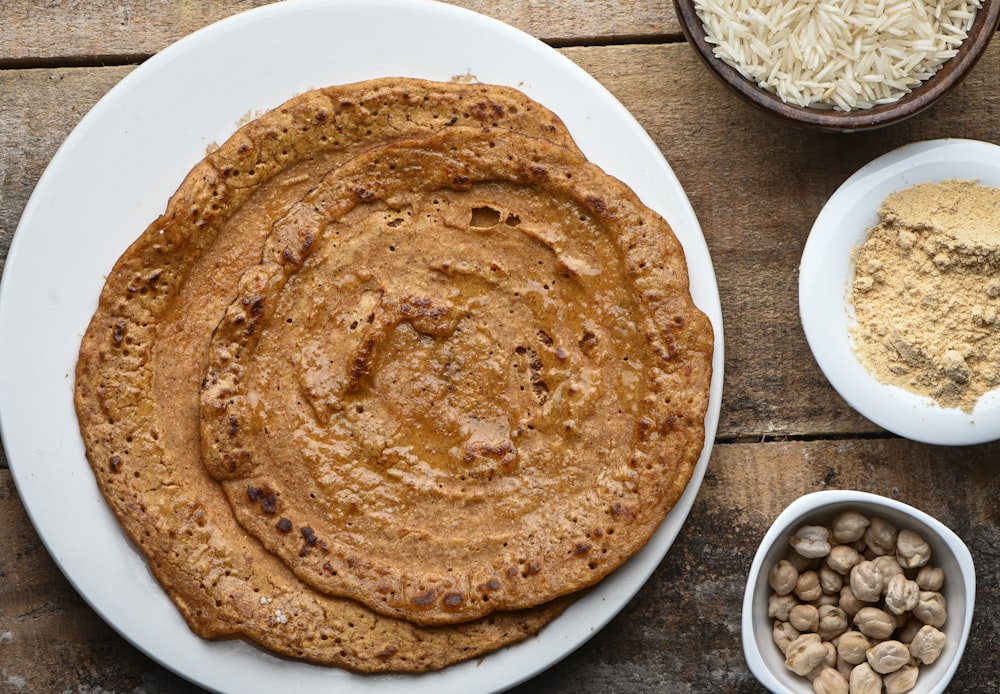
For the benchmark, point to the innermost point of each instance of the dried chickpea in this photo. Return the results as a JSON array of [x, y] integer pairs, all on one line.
[[811, 541], [880, 536], [864, 680], [832, 622], [911, 549], [783, 634], [829, 580], [849, 526], [902, 680], [888, 656], [804, 617], [889, 567], [844, 668], [842, 558], [799, 562], [852, 647], [857, 605], [829, 660], [901, 594], [849, 602], [827, 599], [830, 682], [804, 654], [875, 623], [930, 608], [782, 577], [927, 644], [930, 578], [778, 606], [808, 587], [910, 629], [866, 581]]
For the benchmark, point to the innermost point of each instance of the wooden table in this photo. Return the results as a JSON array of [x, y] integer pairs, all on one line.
[[756, 187]]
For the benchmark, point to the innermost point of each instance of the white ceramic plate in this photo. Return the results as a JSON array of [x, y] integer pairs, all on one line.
[[827, 270], [114, 174]]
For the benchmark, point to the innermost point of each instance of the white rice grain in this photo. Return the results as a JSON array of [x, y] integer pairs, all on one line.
[[842, 54]]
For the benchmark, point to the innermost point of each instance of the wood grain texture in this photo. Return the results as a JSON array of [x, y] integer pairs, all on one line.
[[39, 109], [755, 224], [64, 30], [680, 633], [756, 187]]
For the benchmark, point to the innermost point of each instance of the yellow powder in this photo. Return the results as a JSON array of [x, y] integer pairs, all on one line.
[[926, 292]]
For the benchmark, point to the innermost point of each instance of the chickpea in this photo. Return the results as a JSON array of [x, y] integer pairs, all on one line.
[[910, 629], [808, 587], [783, 634], [930, 578], [842, 558], [902, 680], [782, 577], [829, 661], [930, 608], [857, 606], [849, 526], [832, 622], [830, 681], [827, 599], [799, 562], [866, 581], [875, 623], [889, 567], [804, 654], [911, 549], [804, 618], [880, 537], [844, 667], [830, 581], [888, 656], [852, 647], [864, 680], [778, 606], [901, 594], [811, 541], [927, 644], [849, 602]]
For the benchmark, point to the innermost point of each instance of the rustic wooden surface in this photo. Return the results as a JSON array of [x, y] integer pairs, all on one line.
[[756, 187]]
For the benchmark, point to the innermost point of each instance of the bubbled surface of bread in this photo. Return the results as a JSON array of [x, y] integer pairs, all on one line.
[[165, 318]]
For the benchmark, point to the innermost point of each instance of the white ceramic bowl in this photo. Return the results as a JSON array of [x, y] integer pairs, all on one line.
[[947, 551], [826, 272]]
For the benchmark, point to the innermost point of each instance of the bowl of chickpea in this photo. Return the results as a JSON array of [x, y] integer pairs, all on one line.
[[854, 592]]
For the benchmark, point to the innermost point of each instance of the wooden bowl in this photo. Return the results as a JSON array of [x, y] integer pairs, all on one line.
[[950, 74]]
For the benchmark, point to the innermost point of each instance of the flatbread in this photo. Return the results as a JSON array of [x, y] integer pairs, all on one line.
[[144, 355], [467, 376]]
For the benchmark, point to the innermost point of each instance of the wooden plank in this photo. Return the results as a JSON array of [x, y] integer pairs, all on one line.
[[39, 109], [64, 32], [755, 224], [757, 186], [680, 633]]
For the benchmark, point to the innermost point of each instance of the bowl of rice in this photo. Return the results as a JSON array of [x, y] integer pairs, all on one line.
[[840, 65]]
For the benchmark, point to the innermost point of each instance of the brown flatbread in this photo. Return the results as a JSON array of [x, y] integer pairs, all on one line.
[[467, 376], [144, 355]]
